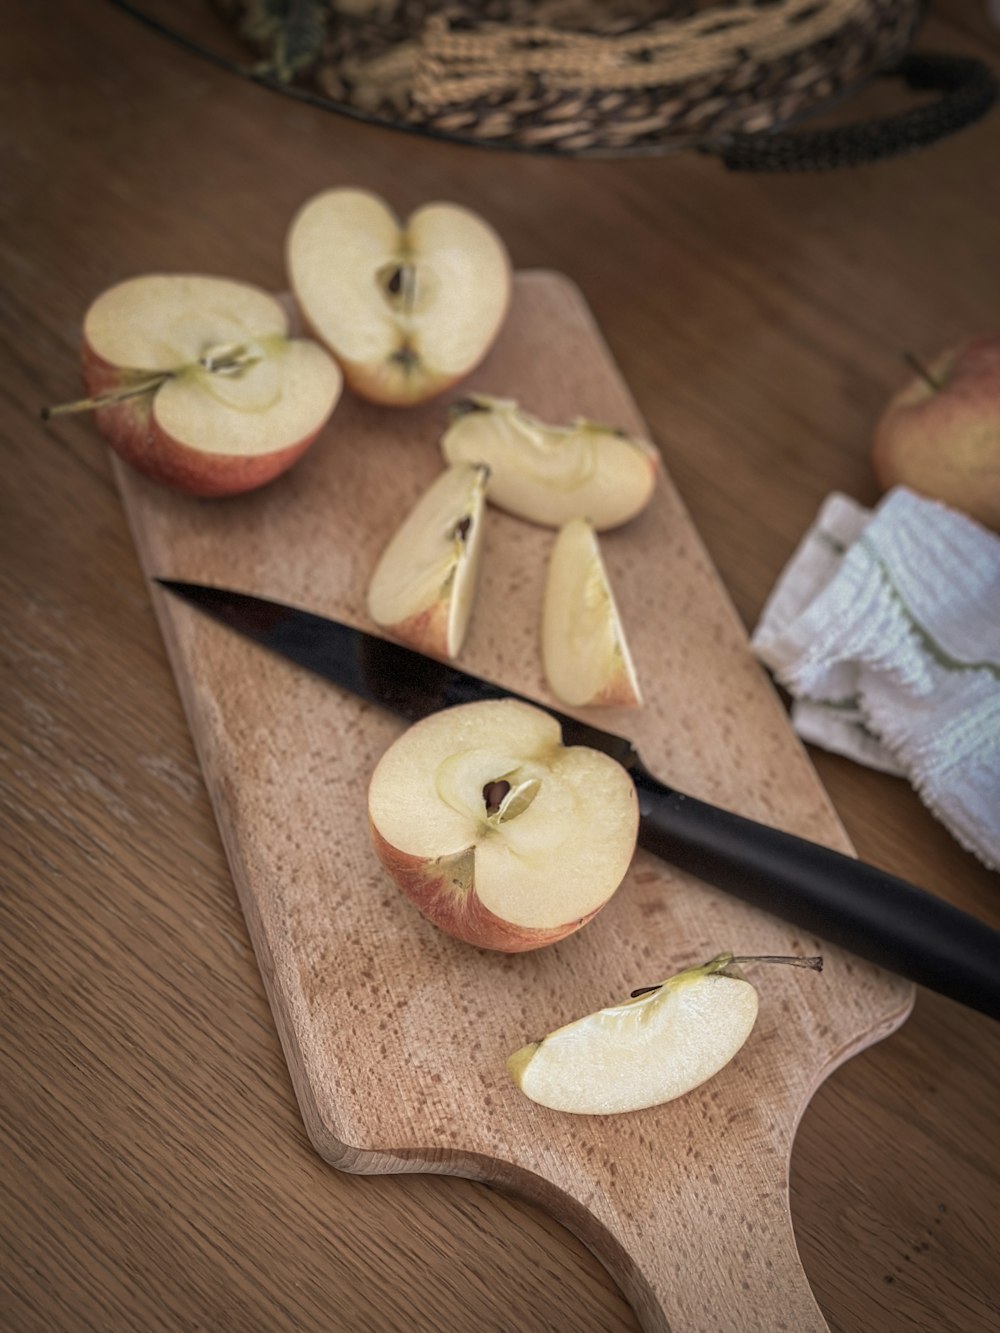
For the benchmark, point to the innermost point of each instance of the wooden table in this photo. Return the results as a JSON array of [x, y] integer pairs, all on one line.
[[157, 1174]]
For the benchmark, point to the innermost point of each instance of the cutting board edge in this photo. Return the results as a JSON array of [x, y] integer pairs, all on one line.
[[524, 1184]]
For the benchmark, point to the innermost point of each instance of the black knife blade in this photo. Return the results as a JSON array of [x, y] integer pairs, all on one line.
[[847, 902]]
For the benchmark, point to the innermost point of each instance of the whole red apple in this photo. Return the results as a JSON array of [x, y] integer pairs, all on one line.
[[940, 436]]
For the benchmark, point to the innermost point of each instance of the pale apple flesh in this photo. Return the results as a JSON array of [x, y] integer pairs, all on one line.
[[585, 652], [550, 474], [423, 587], [940, 435], [660, 1044], [500, 835], [407, 308], [215, 397]]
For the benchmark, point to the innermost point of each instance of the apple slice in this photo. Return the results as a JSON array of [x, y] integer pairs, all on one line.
[[500, 834], [196, 382], [423, 586], [584, 650], [654, 1047], [406, 308], [550, 474]]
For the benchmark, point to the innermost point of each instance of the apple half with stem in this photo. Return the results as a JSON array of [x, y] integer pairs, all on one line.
[[501, 835], [424, 585], [196, 382], [550, 474], [584, 650], [407, 308], [655, 1046]]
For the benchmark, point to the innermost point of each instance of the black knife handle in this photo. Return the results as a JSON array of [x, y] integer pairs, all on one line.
[[847, 902]]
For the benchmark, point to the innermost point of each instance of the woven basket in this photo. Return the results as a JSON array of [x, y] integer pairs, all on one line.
[[612, 77]]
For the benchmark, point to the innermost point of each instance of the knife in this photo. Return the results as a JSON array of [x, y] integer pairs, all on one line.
[[847, 902]]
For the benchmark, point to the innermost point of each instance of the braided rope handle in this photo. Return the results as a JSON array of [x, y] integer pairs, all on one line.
[[968, 89]]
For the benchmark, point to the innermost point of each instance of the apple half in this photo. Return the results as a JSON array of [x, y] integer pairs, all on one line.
[[550, 474], [407, 308], [501, 835], [585, 654], [424, 584], [658, 1045], [196, 382]]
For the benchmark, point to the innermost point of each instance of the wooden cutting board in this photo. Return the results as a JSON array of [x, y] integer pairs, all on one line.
[[396, 1035]]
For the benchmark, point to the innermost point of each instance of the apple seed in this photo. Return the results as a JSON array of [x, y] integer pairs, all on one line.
[[493, 794], [517, 801], [229, 359], [399, 285]]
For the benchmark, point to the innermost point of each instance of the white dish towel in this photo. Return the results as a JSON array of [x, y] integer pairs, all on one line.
[[885, 629]]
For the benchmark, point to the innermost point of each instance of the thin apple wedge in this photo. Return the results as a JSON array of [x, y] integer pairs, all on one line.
[[424, 584], [584, 650], [196, 382], [658, 1045], [407, 308], [550, 474], [502, 836]]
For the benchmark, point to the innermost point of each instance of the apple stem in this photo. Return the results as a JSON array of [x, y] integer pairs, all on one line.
[[727, 960], [814, 964], [462, 407], [916, 364], [107, 399]]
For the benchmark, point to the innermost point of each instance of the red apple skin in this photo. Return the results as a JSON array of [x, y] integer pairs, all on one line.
[[131, 429], [945, 443], [427, 631], [444, 892], [617, 693]]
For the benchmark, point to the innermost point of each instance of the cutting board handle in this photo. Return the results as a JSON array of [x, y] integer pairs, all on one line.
[[751, 1278], [737, 1268]]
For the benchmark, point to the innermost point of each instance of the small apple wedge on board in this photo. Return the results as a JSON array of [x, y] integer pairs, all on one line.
[[407, 308], [549, 474], [584, 650], [196, 382], [423, 587], [659, 1044], [502, 836]]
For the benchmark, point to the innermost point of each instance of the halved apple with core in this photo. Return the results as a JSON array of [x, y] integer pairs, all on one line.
[[550, 474], [423, 586], [500, 834], [196, 382], [407, 308], [654, 1047], [584, 650]]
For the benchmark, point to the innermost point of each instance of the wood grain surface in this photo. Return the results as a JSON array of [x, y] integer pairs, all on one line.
[[157, 1174]]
